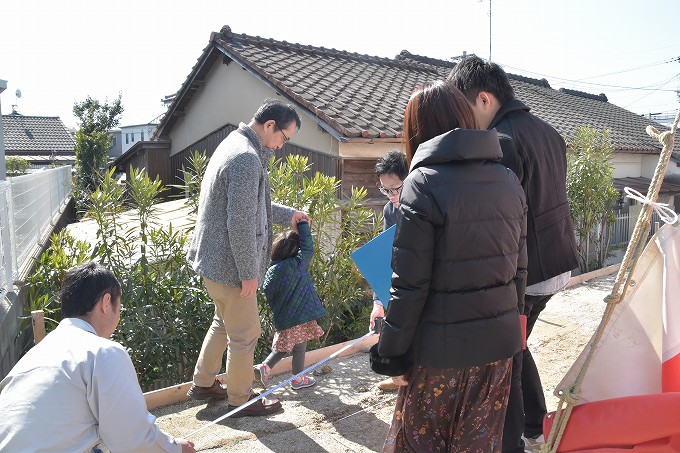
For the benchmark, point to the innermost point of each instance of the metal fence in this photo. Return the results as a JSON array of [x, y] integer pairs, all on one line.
[[620, 230], [7, 261], [28, 204]]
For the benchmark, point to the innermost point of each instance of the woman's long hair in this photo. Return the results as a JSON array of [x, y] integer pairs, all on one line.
[[434, 108]]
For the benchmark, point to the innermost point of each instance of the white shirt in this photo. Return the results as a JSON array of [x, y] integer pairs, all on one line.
[[551, 286], [72, 391]]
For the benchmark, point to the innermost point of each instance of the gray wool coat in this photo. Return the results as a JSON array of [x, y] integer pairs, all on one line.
[[232, 240]]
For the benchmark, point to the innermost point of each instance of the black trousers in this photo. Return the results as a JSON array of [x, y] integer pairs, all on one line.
[[526, 406]]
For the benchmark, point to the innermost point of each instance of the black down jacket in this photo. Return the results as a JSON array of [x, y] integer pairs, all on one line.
[[459, 256]]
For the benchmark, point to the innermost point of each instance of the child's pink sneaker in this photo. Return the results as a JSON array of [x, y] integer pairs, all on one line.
[[302, 382], [261, 373]]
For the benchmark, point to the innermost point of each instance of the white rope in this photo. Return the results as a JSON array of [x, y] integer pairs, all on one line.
[[665, 213], [628, 265], [263, 394]]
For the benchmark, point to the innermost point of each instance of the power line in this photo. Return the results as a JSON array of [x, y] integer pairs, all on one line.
[[634, 69], [645, 51], [631, 103], [652, 87]]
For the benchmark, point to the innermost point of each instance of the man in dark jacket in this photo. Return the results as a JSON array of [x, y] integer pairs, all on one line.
[[537, 154]]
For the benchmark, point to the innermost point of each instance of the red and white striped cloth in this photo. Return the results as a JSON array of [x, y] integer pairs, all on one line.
[[669, 241], [639, 352], [630, 396]]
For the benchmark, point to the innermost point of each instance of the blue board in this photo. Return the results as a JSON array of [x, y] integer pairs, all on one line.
[[374, 260]]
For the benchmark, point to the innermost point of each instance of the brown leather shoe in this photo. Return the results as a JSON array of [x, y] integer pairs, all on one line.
[[388, 385], [215, 391], [261, 407]]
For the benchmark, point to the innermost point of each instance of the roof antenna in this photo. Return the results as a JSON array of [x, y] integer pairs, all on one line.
[[17, 93]]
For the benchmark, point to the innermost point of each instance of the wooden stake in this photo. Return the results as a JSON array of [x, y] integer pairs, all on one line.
[[178, 393], [38, 319]]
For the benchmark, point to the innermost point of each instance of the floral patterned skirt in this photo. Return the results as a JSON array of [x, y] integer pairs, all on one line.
[[287, 338], [459, 410]]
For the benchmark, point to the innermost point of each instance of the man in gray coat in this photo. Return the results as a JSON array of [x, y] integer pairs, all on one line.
[[231, 250]]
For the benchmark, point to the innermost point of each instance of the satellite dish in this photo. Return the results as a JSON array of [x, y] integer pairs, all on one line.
[[18, 93]]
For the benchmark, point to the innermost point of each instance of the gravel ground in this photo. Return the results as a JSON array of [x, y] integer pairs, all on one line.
[[345, 412]]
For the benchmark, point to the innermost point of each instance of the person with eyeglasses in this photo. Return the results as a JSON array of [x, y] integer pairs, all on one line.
[[231, 248], [391, 170]]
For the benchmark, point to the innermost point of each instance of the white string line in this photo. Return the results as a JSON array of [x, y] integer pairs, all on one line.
[[364, 408], [262, 395], [335, 437]]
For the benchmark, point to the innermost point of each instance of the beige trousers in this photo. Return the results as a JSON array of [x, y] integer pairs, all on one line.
[[235, 328]]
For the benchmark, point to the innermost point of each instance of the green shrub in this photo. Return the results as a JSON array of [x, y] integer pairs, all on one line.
[[16, 166], [42, 287], [592, 196], [339, 226], [191, 178], [165, 307]]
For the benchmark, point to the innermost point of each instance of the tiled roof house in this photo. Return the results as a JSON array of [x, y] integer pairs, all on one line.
[[351, 107], [41, 140]]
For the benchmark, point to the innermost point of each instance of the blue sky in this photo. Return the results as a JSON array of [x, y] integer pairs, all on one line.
[[58, 52]]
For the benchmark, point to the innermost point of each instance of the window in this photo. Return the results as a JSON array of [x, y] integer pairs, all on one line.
[[142, 139], [132, 137], [127, 138], [113, 141]]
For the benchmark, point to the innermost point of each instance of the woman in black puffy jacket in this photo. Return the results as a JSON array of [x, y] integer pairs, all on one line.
[[459, 261]]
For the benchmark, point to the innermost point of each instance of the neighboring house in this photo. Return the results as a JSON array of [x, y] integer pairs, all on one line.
[[125, 137], [41, 140], [663, 118], [352, 107]]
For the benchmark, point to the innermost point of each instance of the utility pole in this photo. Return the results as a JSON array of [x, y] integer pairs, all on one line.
[[3, 169], [489, 30]]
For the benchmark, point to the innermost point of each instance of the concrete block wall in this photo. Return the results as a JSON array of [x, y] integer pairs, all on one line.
[[10, 310]]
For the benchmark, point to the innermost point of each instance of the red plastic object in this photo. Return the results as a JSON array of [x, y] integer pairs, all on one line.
[[638, 424]]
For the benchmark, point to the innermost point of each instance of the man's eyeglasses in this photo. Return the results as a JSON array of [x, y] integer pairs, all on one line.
[[394, 191], [285, 137]]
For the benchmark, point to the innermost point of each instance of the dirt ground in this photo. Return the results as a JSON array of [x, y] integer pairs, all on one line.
[[345, 412]]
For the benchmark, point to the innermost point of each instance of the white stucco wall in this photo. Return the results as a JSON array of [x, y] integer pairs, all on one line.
[[649, 163], [116, 143], [673, 168], [640, 165], [232, 95], [627, 165]]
